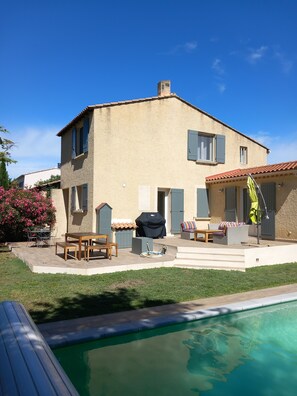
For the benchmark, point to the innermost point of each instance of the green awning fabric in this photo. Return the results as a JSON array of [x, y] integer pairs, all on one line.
[[255, 206]]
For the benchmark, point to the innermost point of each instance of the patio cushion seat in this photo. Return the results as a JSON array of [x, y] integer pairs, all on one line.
[[187, 229], [232, 233]]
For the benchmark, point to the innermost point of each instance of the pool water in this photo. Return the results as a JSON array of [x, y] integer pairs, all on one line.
[[247, 353]]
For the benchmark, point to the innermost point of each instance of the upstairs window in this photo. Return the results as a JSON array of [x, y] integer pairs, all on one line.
[[80, 137], [206, 147], [243, 155]]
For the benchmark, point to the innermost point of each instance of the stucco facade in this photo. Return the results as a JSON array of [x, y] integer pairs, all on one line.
[[138, 155]]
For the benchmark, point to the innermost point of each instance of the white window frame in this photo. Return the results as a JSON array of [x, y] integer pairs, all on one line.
[[243, 155], [205, 150]]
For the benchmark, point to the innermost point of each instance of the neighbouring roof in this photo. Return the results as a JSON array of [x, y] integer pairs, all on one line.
[[39, 171], [88, 109], [258, 170]]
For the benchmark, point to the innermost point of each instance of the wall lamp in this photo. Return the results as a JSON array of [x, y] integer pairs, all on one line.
[[279, 185], [221, 190]]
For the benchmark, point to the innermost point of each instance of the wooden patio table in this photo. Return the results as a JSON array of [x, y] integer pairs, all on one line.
[[207, 234], [82, 237]]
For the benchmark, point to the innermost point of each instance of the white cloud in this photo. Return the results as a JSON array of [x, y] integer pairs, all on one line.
[[191, 46], [257, 54], [262, 137], [221, 87], [281, 150], [37, 148], [219, 72], [188, 47], [284, 62], [217, 67]]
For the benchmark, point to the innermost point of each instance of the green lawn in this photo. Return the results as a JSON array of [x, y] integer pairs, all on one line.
[[58, 297]]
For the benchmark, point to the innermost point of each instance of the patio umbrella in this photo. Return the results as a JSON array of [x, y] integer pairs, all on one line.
[[255, 205]]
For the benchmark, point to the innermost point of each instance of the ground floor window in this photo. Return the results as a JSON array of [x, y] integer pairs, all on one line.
[[79, 198]]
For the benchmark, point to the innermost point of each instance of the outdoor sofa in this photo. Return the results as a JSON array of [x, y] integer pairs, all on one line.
[[187, 229], [232, 233]]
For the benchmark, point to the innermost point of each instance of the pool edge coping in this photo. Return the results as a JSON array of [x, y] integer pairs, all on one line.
[[92, 334]]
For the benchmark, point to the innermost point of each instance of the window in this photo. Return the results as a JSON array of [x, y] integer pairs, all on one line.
[[79, 198], [243, 155], [80, 137], [206, 147]]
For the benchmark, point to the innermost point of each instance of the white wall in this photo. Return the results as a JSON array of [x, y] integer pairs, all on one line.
[[31, 179]]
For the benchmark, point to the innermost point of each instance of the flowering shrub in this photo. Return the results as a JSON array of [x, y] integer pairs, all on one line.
[[21, 209]]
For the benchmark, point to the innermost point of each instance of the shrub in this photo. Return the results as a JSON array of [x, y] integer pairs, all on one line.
[[22, 209]]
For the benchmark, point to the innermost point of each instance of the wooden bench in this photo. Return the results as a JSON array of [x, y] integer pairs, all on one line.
[[28, 366], [67, 246], [98, 246], [112, 244]]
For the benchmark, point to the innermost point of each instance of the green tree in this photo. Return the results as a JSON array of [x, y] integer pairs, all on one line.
[[22, 209], [6, 146], [4, 179]]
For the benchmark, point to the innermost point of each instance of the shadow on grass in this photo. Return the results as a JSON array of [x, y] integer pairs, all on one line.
[[82, 305]]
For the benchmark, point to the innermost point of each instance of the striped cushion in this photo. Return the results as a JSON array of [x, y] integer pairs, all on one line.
[[226, 224], [188, 226]]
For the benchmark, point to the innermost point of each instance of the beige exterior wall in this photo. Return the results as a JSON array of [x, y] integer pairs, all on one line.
[[286, 198], [76, 172], [58, 202], [136, 149]]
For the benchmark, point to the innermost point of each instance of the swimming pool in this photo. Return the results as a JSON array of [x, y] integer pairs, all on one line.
[[248, 353]]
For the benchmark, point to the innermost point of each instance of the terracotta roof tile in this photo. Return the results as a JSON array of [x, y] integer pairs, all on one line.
[[123, 226], [264, 169]]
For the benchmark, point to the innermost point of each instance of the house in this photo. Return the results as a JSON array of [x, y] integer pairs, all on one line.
[[52, 188], [278, 184], [150, 154], [29, 180]]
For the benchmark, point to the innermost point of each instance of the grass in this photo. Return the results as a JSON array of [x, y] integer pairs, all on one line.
[[59, 297]]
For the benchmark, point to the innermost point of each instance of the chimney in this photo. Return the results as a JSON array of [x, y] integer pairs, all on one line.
[[164, 88]]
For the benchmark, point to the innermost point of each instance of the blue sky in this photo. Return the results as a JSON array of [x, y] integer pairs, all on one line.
[[236, 60]]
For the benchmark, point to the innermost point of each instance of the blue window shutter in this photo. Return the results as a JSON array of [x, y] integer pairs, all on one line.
[[73, 198], [230, 204], [85, 197], [73, 142], [202, 202], [220, 149], [177, 209], [86, 128], [192, 145]]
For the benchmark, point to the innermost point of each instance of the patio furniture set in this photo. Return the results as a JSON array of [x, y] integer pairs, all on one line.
[[85, 243], [39, 236], [225, 233]]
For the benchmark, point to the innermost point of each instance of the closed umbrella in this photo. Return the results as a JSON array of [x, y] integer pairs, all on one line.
[[255, 206]]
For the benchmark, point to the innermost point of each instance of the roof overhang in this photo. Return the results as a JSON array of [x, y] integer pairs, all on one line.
[[281, 169]]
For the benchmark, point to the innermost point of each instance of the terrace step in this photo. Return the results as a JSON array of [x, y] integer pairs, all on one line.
[[210, 258]]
